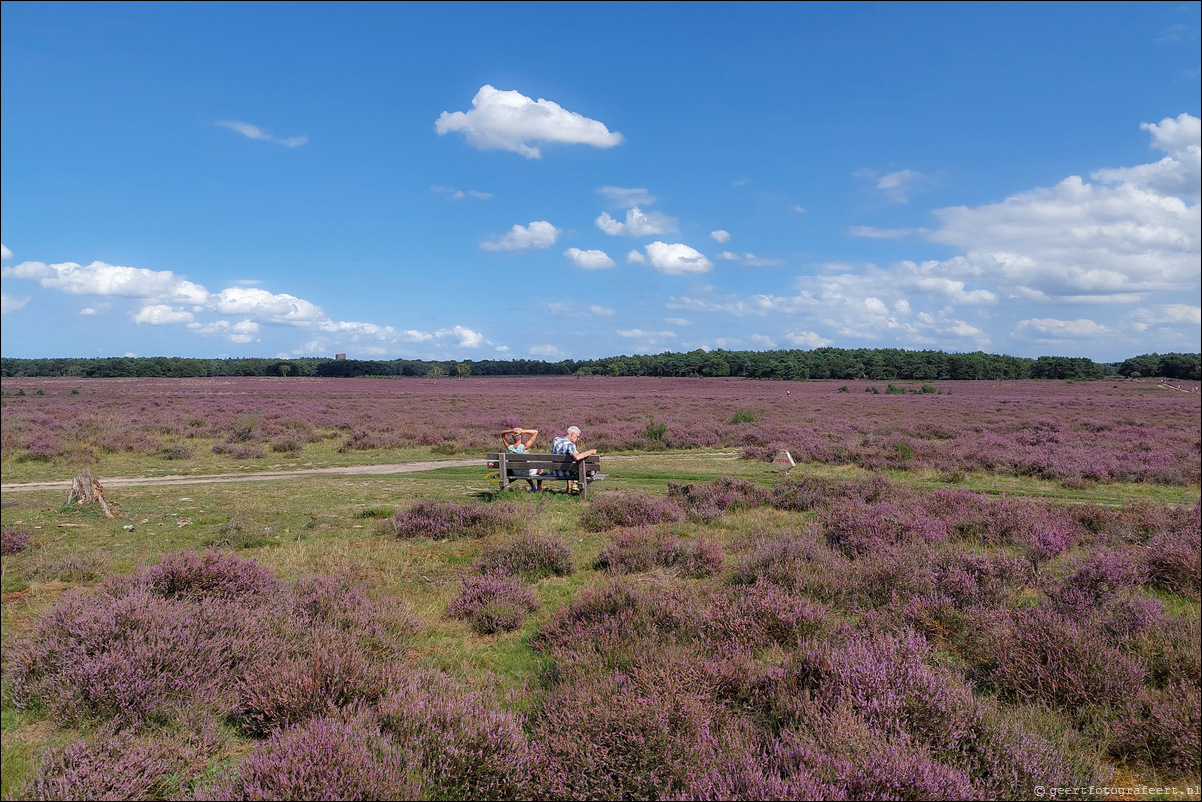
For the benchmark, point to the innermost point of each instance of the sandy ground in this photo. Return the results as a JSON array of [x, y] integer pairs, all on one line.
[[263, 476]]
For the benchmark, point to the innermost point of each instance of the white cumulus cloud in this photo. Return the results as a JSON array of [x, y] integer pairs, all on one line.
[[9, 303], [539, 234], [162, 315], [167, 299], [508, 120], [674, 258], [1183, 313], [808, 339], [1177, 174], [638, 224], [1051, 327], [720, 235], [99, 278], [281, 308], [1081, 241], [242, 331], [589, 260]]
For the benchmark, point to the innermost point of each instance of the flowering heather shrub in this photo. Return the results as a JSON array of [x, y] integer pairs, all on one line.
[[287, 445], [887, 681], [14, 540], [1108, 571], [329, 757], [709, 501], [1041, 545], [1135, 523], [365, 440], [1125, 619], [1175, 653], [338, 603], [291, 682], [528, 556], [621, 610], [1094, 580], [464, 747], [698, 558], [1165, 731], [493, 603], [967, 515], [439, 520], [1010, 757], [212, 631], [862, 762], [1041, 655], [173, 452], [215, 574], [1174, 558], [628, 509], [607, 736], [239, 452], [891, 575], [636, 550], [800, 496], [123, 764], [42, 447], [801, 561], [980, 581], [132, 657], [1038, 529], [632, 551], [756, 616], [859, 529], [751, 776]]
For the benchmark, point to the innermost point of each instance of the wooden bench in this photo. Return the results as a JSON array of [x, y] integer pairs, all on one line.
[[512, 468]]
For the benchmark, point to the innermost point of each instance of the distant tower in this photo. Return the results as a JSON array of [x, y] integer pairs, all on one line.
[[340, 356]]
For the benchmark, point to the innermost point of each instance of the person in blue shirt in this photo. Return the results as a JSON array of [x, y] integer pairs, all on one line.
[[566, 444]]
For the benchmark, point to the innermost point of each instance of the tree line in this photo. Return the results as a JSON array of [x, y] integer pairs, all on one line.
[[875, 364]]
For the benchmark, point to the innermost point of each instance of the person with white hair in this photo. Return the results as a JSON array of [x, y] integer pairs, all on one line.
[[566, 444]]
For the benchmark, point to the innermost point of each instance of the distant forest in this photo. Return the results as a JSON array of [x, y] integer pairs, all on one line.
[[795, 365]]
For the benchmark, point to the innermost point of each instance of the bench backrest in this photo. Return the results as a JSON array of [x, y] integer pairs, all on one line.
[[547, 462]]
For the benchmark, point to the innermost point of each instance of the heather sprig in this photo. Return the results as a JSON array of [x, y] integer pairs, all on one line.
[[14, 540], [340, 756], [493, 603], [529, 556], [613, 510], [644, 549], [447, 520], [464, 746]]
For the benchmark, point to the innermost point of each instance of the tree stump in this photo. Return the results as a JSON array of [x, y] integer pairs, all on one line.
[[86, 489]]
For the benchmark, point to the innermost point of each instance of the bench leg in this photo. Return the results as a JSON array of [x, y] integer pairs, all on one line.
[[503, 473]]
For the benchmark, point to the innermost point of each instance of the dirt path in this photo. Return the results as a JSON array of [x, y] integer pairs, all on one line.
[[277, 476], [262, 476]]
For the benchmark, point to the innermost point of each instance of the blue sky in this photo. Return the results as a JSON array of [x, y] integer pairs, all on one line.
[[577, 180]]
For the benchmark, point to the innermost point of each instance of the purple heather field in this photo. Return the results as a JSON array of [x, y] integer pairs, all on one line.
[[1102, 431], [798, 638]]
